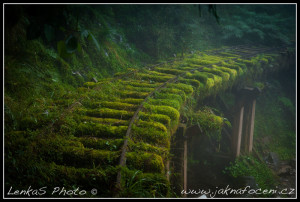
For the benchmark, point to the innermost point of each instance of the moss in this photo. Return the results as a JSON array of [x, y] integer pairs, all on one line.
[[166, 110], [208, 121], [133, 94], [109, 121], [188, 89], [151, 124], [228, 54], [141, 84], [89, 84], [169, 71], [232, 72], [152, 136], [197, 75], [139, 89], [153, 78], [73, 153], [89, 158], [217, 80], [113, 105], [165, 102], [161, 118], [100, 130], [104, 144], [209, 83], [225, 76], [174, 91], [146, 162], [232, 65], [106, 113], [134, 101], [249, 63], [170, 96], [192, 82], [146, 147]]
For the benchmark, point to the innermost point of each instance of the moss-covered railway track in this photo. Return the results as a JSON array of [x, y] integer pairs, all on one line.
[[119, 131]]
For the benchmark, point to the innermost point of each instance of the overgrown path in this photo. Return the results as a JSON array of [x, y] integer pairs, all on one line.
[[122, 126]]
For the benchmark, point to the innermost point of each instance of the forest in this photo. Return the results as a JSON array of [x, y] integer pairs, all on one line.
[[141, 100]]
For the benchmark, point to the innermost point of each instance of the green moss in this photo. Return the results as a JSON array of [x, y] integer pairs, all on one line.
[[109, 121], [141, 84], [139, 89], [249, 63], [188, 89], [169, 71], [153, 78], [198, 76], [225, 76], [106, 113], [168, 96], [166, 110], [146, 147], [232, 65], [89, 84], [113, 105], [232, 72], [174, 91], [161, 118], [151, 135], [208, 122], [133, 94], [165, 102], [100, 130], [132, 100], [146, 162], [151, 124], [229, 54], [209, 83], [104, 144], [192, 82]]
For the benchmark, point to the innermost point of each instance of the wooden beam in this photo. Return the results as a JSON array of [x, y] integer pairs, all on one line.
[[237, 133], [185, 166], [250, 146]]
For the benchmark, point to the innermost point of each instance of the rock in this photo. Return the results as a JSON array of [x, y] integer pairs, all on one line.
[[95, 80], [273, 159], [250, 181], [284, 170]]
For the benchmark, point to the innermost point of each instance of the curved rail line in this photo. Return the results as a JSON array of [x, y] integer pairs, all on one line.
[[253, 52]]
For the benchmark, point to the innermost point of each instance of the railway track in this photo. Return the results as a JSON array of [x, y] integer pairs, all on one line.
[[127, 122]]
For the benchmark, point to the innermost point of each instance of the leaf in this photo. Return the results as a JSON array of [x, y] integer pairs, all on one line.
[[85, 33], [49, 32], [71, 44], [62, 50], [91, 37]]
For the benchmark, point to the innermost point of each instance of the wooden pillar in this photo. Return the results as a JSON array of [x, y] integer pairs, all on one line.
[[250, 141], [249, 126], [237, 133], [185, 166]]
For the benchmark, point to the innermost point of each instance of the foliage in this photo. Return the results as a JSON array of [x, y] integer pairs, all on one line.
[[257, 24], [250, 166], [65, 124]]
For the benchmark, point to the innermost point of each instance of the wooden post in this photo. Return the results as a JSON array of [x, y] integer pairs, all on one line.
[[250, 146], [185, 166], [237, 132]]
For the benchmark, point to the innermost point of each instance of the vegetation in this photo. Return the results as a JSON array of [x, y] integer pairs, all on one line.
[[66, 116]]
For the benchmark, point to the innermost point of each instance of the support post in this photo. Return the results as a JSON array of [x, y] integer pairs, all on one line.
[[237, 133], [250, 141], [185, 166]]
